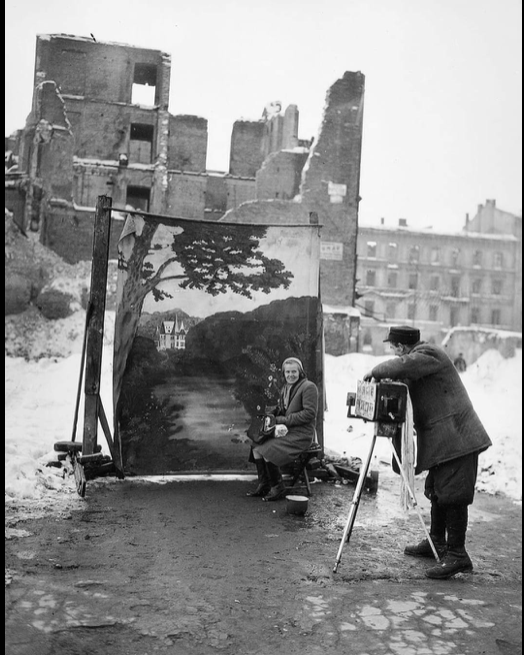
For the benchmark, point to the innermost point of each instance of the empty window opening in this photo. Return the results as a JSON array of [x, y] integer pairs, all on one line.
[[414, 254], [476, 286], [498, 260], [455, 287], [372, 249], [144, 85], [495, 317], [141, 143], [138, 197], [392, 252], [412, 281]]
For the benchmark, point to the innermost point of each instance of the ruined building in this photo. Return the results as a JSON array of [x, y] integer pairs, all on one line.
[[100, 125]]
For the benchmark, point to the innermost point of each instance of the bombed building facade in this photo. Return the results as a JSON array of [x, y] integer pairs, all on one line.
[[100, 125]]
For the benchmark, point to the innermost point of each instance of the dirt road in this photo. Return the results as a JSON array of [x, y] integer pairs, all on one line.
[[198, 568]]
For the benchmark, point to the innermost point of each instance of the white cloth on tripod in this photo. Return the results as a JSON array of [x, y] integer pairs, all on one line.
[[407, 457]]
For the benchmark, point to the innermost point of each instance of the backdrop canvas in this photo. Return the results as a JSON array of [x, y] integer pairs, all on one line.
[[206, 313]]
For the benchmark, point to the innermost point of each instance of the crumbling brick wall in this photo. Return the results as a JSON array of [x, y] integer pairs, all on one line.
[[330, 186], [187, 143], [247, 148], [280, 175]]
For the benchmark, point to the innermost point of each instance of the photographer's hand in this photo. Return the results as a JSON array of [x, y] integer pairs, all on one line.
[[367, 377]]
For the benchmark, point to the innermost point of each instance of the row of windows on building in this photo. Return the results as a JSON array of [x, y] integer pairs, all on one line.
[[171, 341], [435, 313], [478, 285], [437, 256]]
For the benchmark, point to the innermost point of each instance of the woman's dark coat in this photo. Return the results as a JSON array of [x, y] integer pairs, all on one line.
[[447, 426], [300, 420]]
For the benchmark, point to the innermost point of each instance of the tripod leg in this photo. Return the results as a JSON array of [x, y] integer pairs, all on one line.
[[414, 500], [354, 503]]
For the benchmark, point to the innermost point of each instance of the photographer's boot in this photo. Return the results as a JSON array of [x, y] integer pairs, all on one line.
[[264, 485], [423, 548], [278, 488], [456, 559], [437, 533]]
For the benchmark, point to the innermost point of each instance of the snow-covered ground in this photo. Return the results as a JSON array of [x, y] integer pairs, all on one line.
[[40, 399]]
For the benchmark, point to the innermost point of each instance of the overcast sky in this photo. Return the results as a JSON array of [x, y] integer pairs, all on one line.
[[443, 83]]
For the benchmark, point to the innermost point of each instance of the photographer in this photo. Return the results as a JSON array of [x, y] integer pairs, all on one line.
[[295, 415], [450, 437]]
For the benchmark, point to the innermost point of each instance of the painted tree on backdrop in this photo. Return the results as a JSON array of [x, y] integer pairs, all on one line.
[[211, 257]]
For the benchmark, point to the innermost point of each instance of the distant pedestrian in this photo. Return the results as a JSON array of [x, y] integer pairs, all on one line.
[[450, 437], [460, 363]]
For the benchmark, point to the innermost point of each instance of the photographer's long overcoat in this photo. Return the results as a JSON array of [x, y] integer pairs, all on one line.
[[300, 420], [446, 423]]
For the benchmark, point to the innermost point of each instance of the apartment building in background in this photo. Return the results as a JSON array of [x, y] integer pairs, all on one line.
[[438, 280]]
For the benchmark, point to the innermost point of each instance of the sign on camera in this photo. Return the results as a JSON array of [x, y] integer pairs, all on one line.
[[366, 400]]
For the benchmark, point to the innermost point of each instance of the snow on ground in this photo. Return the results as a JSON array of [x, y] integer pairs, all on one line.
[[41, 396]]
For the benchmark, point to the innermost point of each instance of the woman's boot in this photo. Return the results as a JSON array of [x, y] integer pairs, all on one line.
[[278, 488], [263, 480]]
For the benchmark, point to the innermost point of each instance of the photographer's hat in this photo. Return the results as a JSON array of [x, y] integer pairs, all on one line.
[[403, 334]]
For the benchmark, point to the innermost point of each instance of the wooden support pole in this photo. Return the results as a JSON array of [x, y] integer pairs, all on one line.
[[95, 329]]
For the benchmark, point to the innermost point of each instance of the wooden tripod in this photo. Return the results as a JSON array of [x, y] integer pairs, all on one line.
[[380, 430]]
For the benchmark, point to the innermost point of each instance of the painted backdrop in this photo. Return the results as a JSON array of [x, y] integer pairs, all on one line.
[[206, 312]]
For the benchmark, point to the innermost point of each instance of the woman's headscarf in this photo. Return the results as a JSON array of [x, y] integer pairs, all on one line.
[[286, 389], [294, 360]]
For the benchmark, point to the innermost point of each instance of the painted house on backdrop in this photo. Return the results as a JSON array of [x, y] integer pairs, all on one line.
[[171, 335], [439, 280], [100, 126]]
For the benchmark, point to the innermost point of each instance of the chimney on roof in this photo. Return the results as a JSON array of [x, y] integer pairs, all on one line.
[[402, 222], [382, 221]]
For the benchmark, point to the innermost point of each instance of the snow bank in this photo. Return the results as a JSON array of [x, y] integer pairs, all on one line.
[[40, 400]]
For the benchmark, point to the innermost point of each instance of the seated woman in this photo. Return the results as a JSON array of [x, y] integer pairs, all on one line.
[[297, 411]]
